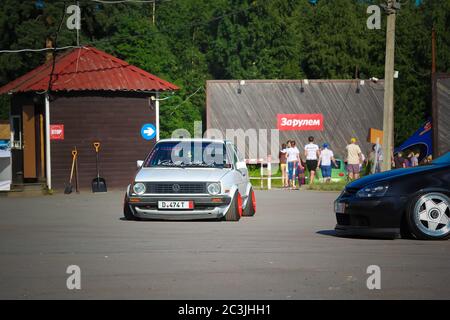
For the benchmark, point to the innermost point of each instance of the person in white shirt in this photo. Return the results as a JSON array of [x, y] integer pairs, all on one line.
[[325, 159], [312, 154], [293, 158]]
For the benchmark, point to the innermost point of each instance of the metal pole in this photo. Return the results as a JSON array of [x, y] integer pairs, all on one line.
[[261, 174], [157, 115], [47, 143], [388, 114]]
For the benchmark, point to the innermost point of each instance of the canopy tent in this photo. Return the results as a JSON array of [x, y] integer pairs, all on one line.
[[420, 142]]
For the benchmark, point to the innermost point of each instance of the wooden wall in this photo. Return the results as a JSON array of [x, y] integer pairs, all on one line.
[[347, 112], [442, 117], [114, 120]]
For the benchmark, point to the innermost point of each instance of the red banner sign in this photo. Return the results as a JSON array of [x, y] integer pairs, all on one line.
[[56, 132], [300, 122]]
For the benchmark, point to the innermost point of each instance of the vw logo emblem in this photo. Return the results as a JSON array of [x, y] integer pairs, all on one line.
[[176, 187]]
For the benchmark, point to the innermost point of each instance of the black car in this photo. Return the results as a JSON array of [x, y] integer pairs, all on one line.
[[411, 201]]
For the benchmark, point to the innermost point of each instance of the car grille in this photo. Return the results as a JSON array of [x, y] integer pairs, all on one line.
[[353, 220], [343, 219], [175, 187]]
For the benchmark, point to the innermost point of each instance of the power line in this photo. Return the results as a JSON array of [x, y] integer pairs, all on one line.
[[54, 51], [185, 27], [38, 50], [185, 100], [127, 37]]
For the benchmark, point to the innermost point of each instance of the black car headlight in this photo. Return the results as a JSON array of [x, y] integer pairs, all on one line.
[[373, 190], [213, 188], [139, 188]]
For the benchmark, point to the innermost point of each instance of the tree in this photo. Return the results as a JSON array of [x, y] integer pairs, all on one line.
[[197, 40]]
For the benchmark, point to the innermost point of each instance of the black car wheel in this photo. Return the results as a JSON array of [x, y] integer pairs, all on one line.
[[235, 210], [428, 216], [250, 208], [127, 213]]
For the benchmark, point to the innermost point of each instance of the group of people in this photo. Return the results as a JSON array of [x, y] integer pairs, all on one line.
[[398, 160], [412, 160], [293, 167]]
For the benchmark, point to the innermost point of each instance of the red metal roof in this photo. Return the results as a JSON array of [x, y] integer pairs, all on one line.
[[88, 69]]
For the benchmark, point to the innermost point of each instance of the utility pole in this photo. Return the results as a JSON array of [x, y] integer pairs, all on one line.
[[434, 108], [391, 8], [154, 11]]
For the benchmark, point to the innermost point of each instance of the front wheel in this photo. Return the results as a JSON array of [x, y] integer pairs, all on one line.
[[128, 215], [250, 208], [234, 212], [428, 216]]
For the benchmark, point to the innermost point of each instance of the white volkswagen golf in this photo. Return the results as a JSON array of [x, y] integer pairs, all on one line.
[[191, 179]]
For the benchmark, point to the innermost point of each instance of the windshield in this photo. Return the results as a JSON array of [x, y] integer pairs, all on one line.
[[444, 159], [188, 154]]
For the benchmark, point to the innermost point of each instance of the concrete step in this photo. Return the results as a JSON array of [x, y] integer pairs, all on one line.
[[24, 190]]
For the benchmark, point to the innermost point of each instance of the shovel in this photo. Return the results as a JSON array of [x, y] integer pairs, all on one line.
[[68, 188], [98, 183]]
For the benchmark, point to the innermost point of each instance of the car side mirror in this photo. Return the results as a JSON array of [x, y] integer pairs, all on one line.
[[139, 163], [241, 165]]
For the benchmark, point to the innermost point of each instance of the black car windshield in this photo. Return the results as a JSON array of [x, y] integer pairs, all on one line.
[[188, 154], [444, 159]]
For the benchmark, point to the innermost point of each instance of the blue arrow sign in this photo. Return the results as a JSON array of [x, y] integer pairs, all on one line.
[[148, 131]]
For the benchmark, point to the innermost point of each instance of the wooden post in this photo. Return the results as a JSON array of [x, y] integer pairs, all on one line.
[[154, 11], [434, 108], [49, 54], [388, 113]]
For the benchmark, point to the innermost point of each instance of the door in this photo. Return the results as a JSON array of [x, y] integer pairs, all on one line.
[[29, 142]]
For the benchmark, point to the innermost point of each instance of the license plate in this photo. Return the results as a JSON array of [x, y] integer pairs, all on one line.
[[339, 207], [175, 205]]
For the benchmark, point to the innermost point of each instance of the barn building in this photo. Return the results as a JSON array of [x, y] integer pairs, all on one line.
[[345, 108], [94, 97]]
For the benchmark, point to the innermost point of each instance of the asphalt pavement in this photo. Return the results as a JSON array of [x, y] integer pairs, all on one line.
[[288, 250]]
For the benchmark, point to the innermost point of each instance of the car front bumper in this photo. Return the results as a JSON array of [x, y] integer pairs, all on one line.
[[376, 217], [205, 207]]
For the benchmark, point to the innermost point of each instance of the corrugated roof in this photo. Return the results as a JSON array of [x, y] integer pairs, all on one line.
[[347, 112], [88, 69]]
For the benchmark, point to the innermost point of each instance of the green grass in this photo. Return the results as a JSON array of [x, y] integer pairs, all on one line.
[[332, 186], [254, 171]]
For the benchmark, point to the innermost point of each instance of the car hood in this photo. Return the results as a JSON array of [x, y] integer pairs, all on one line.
[[388, 175], [180, 174]]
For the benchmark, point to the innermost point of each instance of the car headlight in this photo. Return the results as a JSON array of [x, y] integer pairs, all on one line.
[[139, 188], [373, 190], [213, 188]]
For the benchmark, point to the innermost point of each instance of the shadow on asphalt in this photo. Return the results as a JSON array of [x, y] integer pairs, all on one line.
[[333, 233], [165, 220]]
